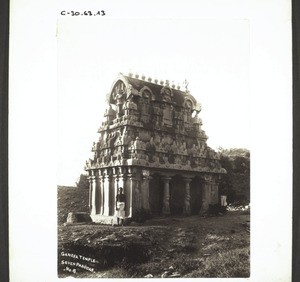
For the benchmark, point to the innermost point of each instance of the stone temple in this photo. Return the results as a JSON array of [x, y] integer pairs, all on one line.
[[152, 144]]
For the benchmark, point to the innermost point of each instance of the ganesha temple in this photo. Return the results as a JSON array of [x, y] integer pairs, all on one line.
[[151, 143]]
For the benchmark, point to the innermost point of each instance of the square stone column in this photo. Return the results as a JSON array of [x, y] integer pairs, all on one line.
[[166, 199]]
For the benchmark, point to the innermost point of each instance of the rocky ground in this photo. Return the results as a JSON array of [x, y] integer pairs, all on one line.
[[173, 247]]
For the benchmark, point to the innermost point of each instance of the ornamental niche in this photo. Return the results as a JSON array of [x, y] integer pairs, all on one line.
[[152, 144]]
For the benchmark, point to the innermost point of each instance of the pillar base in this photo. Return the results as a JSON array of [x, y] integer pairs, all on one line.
[[108, 220]]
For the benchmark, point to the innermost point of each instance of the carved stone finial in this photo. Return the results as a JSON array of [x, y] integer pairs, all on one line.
[[143, 77], [137, 75], [186, 84], [149, 79]]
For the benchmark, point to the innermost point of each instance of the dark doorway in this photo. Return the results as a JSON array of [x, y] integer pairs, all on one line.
[[196, 195], [156, 188], [176, 195]]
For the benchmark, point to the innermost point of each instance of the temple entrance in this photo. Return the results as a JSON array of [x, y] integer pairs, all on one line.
[[156, 188], [177, 195], [196, 195]]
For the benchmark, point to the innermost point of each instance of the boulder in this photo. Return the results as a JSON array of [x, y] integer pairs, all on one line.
[[78, 217]]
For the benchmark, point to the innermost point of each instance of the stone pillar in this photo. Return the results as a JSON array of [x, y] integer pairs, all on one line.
[[145, 189], [187, 196], [101, 194], [130, 184], [98, 193], [106, 185], [112, 194], [206, 188], [90, 192], [116, 186], [166, 199], [215, 193], [93, 198]]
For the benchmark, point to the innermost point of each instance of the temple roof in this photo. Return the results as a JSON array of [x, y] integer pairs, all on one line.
[[136, 85]]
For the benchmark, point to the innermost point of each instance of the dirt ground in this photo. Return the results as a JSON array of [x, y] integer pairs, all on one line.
[[163, 247], [180, 246]]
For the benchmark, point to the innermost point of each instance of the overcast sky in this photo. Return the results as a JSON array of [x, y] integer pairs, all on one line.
[[213, 55]]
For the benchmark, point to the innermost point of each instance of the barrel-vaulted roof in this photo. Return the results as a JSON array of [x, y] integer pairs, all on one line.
[[135, 86]]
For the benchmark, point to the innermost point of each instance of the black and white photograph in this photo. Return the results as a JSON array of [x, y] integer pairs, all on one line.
[[152, 195], [157, 156]]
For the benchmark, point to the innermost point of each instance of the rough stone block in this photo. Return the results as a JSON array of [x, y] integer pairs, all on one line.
[[78, 217]]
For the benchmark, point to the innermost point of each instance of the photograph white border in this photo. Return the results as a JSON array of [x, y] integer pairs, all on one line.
[[33, 127]]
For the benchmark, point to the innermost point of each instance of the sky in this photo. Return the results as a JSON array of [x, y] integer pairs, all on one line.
[[212, 55]]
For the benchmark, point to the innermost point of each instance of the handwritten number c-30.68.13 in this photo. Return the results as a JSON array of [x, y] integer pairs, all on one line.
[[85, 13]]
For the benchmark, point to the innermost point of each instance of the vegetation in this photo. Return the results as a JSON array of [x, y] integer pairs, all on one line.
[[82, 182], [236, 183]]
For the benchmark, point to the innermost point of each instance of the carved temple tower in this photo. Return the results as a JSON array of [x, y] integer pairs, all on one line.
[[152, 144]]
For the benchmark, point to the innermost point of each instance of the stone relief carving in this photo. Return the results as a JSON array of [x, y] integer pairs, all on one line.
[[157, 132]]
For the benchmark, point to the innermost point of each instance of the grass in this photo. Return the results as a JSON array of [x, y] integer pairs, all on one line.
[[184, 246]]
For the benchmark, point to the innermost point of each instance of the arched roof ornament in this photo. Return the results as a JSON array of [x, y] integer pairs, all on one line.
[[167, 94], [128, 89], [188, 103], [147, 89]]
